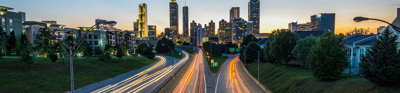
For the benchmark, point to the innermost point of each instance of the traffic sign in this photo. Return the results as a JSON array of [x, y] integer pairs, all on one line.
[[215, 64]]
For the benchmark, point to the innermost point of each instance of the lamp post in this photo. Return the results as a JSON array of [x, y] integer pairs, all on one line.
[[360, 19], [258, 62]]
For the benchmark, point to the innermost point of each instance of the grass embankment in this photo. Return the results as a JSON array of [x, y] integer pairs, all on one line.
[[45, 76], [288, 79], [220, 61]]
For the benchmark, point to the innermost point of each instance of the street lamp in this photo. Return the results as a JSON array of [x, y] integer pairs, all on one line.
[[360, 19], [258, 62]]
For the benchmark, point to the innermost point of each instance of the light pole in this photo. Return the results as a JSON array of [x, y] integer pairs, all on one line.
[[360, 19], [74, 48], [258, 62]]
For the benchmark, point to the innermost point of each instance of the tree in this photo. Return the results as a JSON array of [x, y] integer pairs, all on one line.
[[303, 47], [106, 55], [120, 52], [140, 48], [11, 42], [381, 63], [358, 30], [85, 50], [246, 40], [3, 39], [251, 52], [27, 55], [328, 58], [165, 45], [282, 44], [148, 52], [212, 48], [43, 41]]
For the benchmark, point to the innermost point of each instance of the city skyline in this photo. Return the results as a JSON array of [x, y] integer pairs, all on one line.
[[273, 14]]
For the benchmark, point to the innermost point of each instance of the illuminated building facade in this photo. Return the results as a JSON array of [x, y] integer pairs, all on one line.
[[239, 28], [12, 21], [323, 22], [185, 21], [234, 13], [193, 32], [210, 29], [224, 32], [254, 15], [174, 19], [152, 32], [143, 23]]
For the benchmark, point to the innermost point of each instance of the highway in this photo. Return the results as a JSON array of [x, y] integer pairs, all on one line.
[[194, 80], [233, 79], [147, 80]]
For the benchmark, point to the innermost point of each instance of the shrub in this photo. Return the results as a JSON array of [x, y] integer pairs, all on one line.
[[328, 58]]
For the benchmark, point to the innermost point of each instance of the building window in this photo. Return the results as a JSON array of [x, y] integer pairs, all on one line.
[[96, 36], [90, 36], [3, 21], [96, 42], [11, 22]]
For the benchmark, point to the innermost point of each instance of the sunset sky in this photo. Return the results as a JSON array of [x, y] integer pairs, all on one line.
[[275, 14]]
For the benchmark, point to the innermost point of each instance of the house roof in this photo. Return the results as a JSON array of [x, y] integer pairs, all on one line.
[[359, 39], [304, 34]]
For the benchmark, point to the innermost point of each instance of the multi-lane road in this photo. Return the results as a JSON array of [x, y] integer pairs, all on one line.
[[233, 79], [188, 75], [196, 77], [148, 80]]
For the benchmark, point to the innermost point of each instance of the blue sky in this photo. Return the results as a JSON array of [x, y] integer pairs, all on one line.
[[275, 14]]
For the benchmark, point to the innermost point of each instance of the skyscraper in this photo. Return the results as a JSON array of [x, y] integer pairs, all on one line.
[[152, 32], [173, 16], [185, 21], [239, 28], [211, 28], [143, 25], [234, 13], [136, 27], [323, 22], [193, 33], [254, 15], [224, 32]]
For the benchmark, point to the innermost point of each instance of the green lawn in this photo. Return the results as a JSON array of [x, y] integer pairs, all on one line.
[[220, 61], [45, 76], [287, 79]]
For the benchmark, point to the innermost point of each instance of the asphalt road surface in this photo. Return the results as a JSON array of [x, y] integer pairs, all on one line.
[[233, 79], [147, 80]]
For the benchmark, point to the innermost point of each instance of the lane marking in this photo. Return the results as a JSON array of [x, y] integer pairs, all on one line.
[[216, 85]]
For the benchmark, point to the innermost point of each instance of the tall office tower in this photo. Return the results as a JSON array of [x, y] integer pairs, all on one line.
[[185, 21], [200, 33], [211, 28], [143, 25], [234, 13], [193, 31], [224, 32], [136, 27], [173, 18], [323, 22], [254, 15], [239, 28]]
